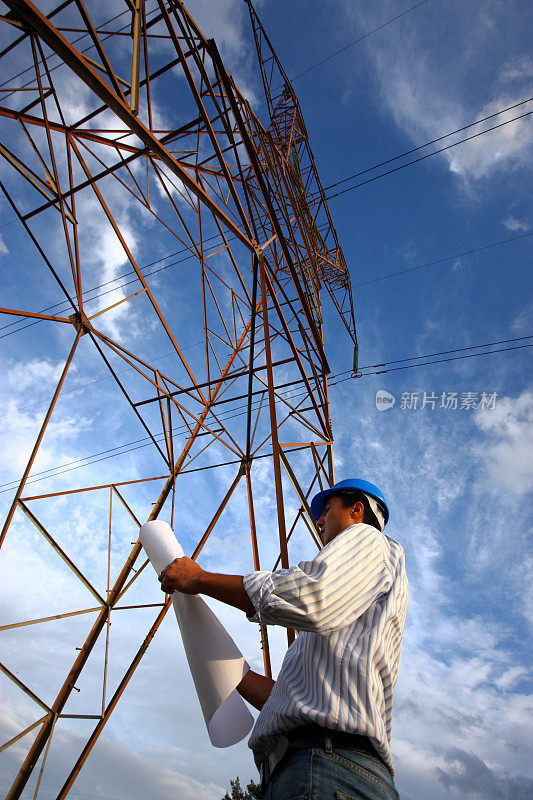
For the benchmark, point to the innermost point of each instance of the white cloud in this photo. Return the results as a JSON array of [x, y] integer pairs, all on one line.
[[447, 698], [509, 146], [506, 452], [460, 674], [471, 777], [513, 224], [519, 68], [430, 90], [111, 772], [108, 252], [3, 247], [172, 184], [36, 378], [523, 320], [36, 375], [511, 677]]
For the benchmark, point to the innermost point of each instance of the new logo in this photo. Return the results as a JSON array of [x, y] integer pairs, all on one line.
[[384, 400]]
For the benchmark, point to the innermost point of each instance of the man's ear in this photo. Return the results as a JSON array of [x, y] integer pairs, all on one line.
[[358, 510]]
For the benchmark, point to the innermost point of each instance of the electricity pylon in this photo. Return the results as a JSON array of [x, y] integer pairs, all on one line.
[[240, 201]]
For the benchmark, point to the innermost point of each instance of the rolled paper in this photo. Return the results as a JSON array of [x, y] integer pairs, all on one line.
[[217, 665]]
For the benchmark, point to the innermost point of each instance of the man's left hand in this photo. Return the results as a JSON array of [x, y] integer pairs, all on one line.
[[182, 575]]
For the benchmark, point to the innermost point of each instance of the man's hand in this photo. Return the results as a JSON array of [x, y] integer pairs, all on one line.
[[183, 575]]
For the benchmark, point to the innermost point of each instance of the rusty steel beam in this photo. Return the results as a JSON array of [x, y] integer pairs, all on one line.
[[49, 619], [66, 690], [138, 8], [261, 194], [12, 677], [32, 17], [299, 491], [252, 154], [17, 313], [61, 553], [280, 507], [22, 734], [257, 566], [111, 705]]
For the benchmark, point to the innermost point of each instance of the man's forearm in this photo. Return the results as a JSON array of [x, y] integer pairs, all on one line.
[[227, 588], [255, 688]]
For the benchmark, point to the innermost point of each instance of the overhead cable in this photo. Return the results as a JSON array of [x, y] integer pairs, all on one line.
[[218, 236], [330, 377], [442, 260], [230, 413], [356, 41], [433, 141], [437, 361], [447, 352], [179, 261], [427, 155]]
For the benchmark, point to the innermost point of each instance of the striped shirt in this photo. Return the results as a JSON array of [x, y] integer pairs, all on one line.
[[349, 604]]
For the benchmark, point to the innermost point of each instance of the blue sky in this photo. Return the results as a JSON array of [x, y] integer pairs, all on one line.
[[458, 481]]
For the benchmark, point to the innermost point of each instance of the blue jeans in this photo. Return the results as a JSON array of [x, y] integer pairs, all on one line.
[[315, 774]]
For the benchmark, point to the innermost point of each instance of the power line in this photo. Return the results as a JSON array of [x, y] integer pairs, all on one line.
[[439, 361], [253, 100], [342, 49], [433, 355], [136, 444], [356, 41], [145, 442], [368, 366], [447, 352], [52, 55], [314, 66], [113, 289], [217, 237], [182, 260], [442, 260], [427, 155], [433, 141], [98, 380], [335, 383]]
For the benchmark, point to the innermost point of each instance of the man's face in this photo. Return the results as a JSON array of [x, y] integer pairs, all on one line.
[[336, 518]]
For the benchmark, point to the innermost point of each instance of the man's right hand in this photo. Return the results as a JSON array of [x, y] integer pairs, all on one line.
[[182, 575]]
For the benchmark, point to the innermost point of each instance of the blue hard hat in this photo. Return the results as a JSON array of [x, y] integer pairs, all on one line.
[[317, 503]]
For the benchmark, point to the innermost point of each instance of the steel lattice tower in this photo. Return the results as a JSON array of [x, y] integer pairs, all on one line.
[[240, 200]]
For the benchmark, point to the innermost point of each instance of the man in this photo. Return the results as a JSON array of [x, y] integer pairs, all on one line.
[[324, 725]]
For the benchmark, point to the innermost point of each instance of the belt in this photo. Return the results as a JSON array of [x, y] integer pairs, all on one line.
[[313, 735]]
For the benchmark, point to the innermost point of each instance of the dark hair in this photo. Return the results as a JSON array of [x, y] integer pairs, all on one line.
[[350, 497]]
